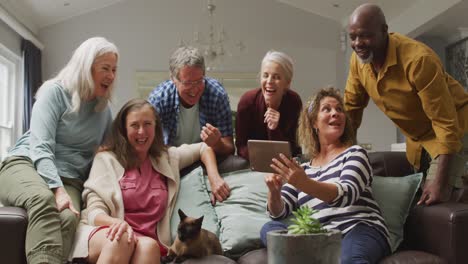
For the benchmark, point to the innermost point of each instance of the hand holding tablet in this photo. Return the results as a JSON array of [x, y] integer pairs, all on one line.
[[261, 153]]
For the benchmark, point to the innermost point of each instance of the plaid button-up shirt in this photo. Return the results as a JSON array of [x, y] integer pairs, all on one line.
[[214, 107]]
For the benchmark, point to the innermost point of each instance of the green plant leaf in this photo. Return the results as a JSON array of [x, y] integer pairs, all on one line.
[[304, 222]]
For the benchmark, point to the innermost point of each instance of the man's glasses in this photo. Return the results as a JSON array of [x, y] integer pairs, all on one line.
[[192, 83]]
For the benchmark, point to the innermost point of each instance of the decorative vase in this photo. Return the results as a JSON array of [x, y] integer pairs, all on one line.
[[320, 248]]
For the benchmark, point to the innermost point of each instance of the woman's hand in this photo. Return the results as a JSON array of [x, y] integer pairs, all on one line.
[[118, 228], [274, 183], [290, 170], [271, 118], [220, 191], [63, 200]]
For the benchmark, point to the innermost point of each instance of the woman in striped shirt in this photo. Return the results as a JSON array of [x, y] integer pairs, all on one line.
[[336, 182]]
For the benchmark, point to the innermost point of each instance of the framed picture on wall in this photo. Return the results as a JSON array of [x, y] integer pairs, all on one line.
[[457, 61]]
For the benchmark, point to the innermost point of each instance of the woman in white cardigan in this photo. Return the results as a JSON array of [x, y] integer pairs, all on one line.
[[132, 188]]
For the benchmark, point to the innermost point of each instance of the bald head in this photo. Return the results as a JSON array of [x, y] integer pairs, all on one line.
[[368, 13], [368, 34]]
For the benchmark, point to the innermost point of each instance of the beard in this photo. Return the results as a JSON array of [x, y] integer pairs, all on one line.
[[366, 60]]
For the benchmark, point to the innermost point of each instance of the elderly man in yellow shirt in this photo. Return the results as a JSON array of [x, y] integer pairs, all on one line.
[[407, 81]]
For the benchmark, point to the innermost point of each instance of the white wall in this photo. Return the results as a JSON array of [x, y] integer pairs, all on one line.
[[10, 39], [147, 31]]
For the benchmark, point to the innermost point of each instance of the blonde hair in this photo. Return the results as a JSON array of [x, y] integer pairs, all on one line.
[[307, 136]]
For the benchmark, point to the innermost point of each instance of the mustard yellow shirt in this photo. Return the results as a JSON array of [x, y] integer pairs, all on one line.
[[414, 91]]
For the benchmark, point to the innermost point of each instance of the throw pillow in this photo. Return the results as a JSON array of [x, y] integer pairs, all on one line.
[[395, 196], [193, 199], [243, 214]]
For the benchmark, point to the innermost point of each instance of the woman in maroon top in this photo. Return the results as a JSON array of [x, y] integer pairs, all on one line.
[[270, 112]]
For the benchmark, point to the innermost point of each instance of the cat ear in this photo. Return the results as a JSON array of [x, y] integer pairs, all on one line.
[[181, 215], [200, 220]]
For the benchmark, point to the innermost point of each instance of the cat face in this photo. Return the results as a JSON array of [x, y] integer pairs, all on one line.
[[189, 227]]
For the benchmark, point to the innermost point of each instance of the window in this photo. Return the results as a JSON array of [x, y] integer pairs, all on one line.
[[11, 96]]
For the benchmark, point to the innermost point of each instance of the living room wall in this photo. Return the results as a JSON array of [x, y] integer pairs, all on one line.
[[10, 38], [147, 31]]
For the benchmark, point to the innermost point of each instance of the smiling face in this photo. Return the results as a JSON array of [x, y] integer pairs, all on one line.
[[103, 72], [368, 36], [274, 83], [331, 120], [190, 85], [140, 125]]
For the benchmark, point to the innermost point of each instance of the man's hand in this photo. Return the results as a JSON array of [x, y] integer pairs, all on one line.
[[63, 201], [431, 193], [434, 192], [437, 189], [272, 118], [210, 135], [220, 191]]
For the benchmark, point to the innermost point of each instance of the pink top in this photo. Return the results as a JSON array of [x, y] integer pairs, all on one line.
[[144, 193]]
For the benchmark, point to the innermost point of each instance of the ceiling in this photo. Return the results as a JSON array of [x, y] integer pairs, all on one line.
[[37, 14], [340, 10]]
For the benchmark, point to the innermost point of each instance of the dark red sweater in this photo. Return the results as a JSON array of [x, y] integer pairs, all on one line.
[[250, 125]]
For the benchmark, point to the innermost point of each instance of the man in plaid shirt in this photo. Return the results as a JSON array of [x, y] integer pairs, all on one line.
[[193, 107]]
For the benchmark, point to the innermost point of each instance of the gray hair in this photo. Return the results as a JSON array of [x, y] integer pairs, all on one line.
[[185, 56], [282, 59], [76, 77]]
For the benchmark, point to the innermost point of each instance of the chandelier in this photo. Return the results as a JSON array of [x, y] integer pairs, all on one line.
[[213, 44]]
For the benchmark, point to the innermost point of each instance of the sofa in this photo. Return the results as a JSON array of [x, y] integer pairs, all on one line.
[[432, 234]]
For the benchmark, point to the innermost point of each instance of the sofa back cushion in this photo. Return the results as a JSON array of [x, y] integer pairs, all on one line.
[[390, 163], [243, 214], [395, 197], [193, 199]]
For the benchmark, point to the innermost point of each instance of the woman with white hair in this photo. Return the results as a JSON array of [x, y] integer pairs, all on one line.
[[270, 112], [44, 172]]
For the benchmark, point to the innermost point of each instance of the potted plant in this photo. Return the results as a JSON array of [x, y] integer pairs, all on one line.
[[305, 241]]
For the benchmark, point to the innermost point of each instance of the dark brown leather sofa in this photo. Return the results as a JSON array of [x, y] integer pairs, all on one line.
[[433, 234]]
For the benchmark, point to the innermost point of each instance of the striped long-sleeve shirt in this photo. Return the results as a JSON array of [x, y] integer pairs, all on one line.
[[352, 175]]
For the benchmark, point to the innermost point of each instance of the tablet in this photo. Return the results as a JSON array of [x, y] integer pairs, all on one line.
[[261, 152]]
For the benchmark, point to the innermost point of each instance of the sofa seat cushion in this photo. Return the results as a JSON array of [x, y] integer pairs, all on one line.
[[412, 257], [258, 256]]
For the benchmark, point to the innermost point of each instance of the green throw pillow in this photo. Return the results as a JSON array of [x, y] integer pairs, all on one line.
[[193, 199], [395, 196], [243, 214]]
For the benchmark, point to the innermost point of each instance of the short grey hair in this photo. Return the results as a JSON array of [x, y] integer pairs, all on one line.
[[76, 77], [185, 56], [282, 59]]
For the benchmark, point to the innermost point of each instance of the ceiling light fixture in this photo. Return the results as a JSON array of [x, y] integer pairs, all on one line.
[[213, 45]]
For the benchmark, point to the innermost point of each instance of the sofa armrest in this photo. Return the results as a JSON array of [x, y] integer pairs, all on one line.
[[440, 229], [13, 224]]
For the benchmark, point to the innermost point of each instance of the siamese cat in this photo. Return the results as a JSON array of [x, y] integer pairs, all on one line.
[[192, 241]]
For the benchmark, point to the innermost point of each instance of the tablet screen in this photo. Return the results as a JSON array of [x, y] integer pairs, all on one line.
[[261, 152]]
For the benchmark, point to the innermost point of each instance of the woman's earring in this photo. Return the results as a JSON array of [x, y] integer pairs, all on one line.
[[316, 131]]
